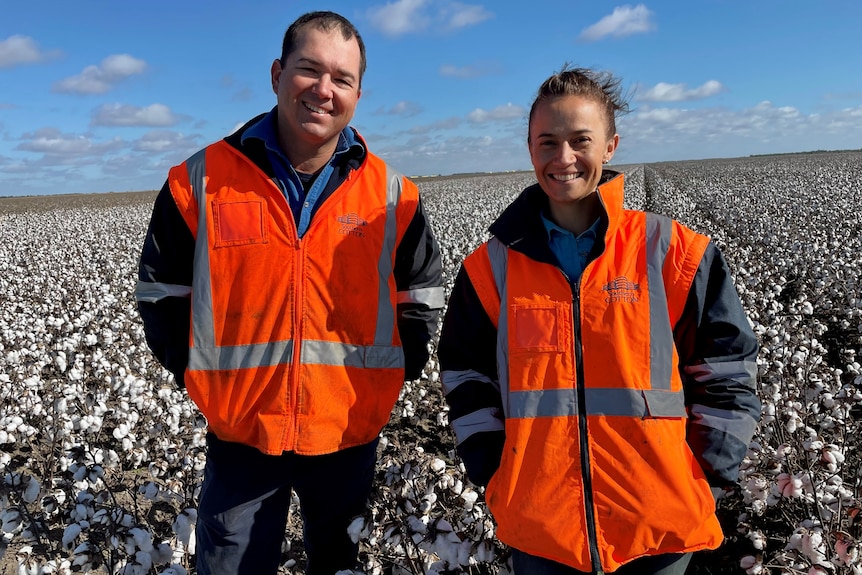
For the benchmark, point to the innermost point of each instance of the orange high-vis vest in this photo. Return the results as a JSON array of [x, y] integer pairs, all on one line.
[[293, 343], [596, 470]]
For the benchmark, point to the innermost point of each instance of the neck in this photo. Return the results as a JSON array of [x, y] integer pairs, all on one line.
[[305, 158], [578, 216]]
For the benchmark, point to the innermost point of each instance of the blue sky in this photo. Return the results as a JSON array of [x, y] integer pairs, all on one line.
[[100, 96]]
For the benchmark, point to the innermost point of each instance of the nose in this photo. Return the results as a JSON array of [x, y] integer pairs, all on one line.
[[566, 154], [323, 86]]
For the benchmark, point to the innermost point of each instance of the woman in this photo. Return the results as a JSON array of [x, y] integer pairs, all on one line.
[[598, 365]]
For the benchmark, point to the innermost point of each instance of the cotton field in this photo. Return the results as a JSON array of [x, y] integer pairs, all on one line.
[[102, 457]]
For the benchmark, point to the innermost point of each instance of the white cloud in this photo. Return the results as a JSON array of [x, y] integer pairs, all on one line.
[[126, 115], [102, 78], [406, 16], [500, 113], [404, 109], [663, 92], [54, 143], [457, 15], [397, 18], [17, 50], [174, 145], [440, 125], [624, 21], [665, 134]]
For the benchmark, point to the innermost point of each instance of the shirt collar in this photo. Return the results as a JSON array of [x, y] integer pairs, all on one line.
[[264, 130], [552, 227]]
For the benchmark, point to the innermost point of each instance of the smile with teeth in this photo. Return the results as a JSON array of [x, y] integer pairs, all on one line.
[[565, 177], [314, 109]]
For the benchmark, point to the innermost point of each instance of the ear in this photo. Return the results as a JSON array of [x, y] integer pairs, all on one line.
[[275, 74], [612, 147]]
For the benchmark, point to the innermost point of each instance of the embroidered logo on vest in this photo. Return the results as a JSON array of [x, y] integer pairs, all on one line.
[[351, 225], [621, 290]]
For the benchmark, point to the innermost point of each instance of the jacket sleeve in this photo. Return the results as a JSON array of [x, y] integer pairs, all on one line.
[[164, 285], [718, 364], [468, 364], [419, 280]]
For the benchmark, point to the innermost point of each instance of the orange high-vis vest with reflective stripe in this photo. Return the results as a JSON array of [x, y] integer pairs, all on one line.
[[595, 418], [293, 343]]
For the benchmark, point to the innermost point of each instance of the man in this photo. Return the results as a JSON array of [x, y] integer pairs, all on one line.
[[291, 282]]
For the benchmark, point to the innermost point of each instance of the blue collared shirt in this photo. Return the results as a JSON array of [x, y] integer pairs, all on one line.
[[571, 250], [301, 204]]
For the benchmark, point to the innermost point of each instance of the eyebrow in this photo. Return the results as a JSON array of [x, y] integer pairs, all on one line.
[[575, 132]]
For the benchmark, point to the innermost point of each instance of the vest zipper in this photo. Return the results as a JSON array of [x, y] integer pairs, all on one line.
[[293, 384], [586, 474]]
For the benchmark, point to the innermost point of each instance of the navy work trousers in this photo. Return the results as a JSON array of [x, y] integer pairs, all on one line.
[[245, 500], [667, 564]]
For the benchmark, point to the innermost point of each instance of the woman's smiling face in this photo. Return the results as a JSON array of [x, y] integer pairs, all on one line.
[[568, 144]]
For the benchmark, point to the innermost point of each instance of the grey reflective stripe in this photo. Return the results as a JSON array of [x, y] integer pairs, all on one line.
[[487, 419], [203, 329], [622, 402], [736, 423], [498, 255], [658, 230], [154, 291], [737, 370], [433, 297], [385, 312], [336, 353], [452, 379], [240, 356], [543, 403], [280, 352]]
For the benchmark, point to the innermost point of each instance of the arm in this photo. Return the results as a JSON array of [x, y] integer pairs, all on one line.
[[419, 279], [164, 285], [468, 362], [718, 362]]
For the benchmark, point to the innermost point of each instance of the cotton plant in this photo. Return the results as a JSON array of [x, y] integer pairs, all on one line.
[[102, 457]]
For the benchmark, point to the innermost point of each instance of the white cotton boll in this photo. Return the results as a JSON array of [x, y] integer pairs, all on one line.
[[758, 539], [143, 539], [469, 496], [457, 487], [149, 490], [355, 529], [416, 525], [144, 560], [70, 534], [184, 528], [95, 473], [31, 492], [814, 547], [484, 552], [438, 465], [11, 520], [846, 548], [788, 485]]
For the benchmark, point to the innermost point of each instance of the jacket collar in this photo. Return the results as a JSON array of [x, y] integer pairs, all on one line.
[[520, 225]]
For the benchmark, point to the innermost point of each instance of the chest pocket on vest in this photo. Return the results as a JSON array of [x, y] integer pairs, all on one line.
[[540, 327], [239, 223]]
